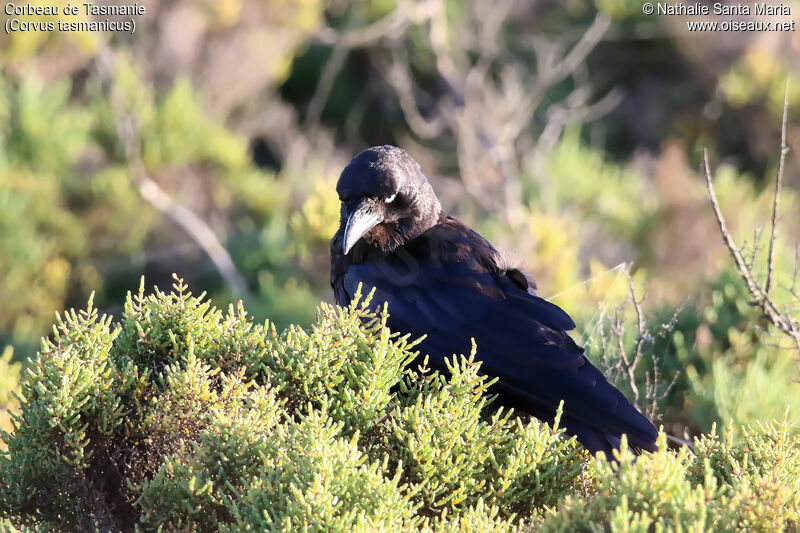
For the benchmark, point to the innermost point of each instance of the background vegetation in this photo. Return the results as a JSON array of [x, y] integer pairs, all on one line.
[[570, 134]]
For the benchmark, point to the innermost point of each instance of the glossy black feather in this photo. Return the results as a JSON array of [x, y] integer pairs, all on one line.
[[443, 280]]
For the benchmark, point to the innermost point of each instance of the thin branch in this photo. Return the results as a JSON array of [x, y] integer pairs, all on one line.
[[396, 21], [622, 364], [778, 182], [784, 322], [197, 229], [756, 247], [549, 72], [641, 337], [150, 191], [641, 333], [680, 442], [355, 117], [580, 51], [741, 265], [399, 77], [326, 80]]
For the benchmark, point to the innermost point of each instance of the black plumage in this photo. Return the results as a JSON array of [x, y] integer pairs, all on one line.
[[443, 280]]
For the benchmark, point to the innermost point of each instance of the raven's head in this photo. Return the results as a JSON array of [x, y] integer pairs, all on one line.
[[386, 199]]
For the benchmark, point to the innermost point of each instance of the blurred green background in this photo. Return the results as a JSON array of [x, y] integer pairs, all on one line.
[[570, 134]]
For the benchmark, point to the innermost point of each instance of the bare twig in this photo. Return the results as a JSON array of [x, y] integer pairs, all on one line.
[[576, 56], [680, 442], [326, 80], [641, 336], [623, 362], [485, 97], [780, 319], [150, 191], [398, 75], [741, 265], [778, 182], [197, 229], [395, 21], [559, 117], [628, 364]]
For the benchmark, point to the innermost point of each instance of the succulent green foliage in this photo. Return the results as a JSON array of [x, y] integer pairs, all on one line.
[[750, 484], [183, 417], [167, 328], [457, 455], [313, 478], [760, 472], [649, 494], [350, 365], [68, 435]]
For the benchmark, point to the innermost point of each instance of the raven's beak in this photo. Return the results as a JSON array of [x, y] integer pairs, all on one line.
[[364, 218]]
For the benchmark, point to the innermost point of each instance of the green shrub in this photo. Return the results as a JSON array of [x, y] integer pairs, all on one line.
[[189, 418], [183, 418], [650, 494], [727, 485]]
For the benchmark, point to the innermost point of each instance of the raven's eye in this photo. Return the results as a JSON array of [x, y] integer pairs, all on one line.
[[390, 199]]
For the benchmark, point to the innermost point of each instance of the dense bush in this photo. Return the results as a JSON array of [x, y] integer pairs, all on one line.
[[183, 417], [751, 485]]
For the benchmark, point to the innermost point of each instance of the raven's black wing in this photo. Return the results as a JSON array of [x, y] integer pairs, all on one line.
[[448, 285]]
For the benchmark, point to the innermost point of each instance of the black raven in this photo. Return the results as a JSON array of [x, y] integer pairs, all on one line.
[[443, 280]]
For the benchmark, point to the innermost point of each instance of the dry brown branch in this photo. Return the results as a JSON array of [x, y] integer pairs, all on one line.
[[326, 80], [559, 117], [780, 319], [641, 334], [393, 24], [486, 96], [396, 21], [128, 136], [624, 363], [397, 74], [776, 198]]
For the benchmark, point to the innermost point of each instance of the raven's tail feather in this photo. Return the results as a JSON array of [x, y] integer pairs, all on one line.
[[596, 441]]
